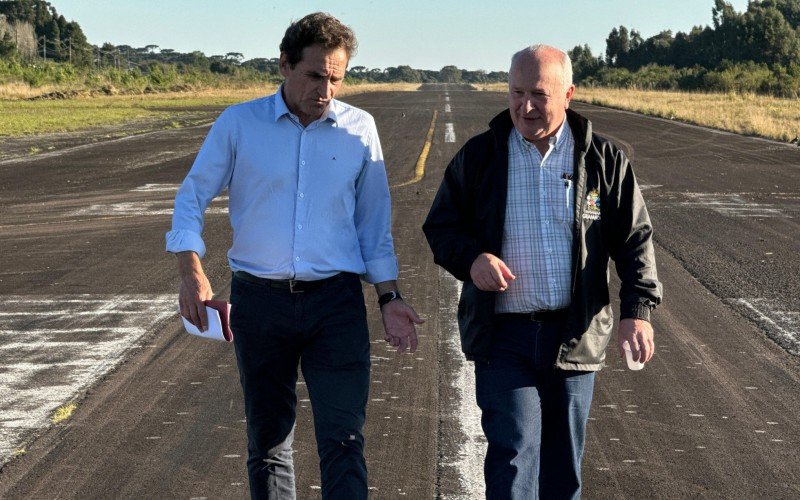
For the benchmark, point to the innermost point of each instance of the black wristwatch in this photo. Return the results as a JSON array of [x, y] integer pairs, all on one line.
[[388, 297]]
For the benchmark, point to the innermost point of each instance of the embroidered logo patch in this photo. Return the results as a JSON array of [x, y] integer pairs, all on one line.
[[592, 210]]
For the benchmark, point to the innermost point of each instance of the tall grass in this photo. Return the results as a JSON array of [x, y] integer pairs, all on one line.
[[750, 114]]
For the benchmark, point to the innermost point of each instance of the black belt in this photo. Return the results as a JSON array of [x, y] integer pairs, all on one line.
[[294, 286], [546, 316]]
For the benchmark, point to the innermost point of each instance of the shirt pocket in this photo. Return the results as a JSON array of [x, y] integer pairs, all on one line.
[[562, 206]]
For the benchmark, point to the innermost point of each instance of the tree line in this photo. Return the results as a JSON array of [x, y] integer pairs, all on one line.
[[757, 50], [64, 42]]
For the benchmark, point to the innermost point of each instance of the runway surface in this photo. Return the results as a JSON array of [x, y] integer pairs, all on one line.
[[88, 317]]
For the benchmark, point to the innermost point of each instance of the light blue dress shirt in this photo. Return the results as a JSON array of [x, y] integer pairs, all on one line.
[[304, 203]]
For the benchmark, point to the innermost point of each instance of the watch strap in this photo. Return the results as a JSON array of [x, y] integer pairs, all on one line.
[[388, 297]]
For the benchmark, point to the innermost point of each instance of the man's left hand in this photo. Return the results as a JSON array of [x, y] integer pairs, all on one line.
[[399, 321], [639, 334]]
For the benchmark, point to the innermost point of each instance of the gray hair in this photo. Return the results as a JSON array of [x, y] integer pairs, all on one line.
[[566, 62]]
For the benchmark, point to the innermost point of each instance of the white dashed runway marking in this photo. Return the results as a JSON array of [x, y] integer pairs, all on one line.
[[449, 133], [447, 108], [54, 348]]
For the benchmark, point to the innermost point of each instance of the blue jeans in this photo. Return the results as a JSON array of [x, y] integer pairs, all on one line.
[[325, 332], [533, 415]]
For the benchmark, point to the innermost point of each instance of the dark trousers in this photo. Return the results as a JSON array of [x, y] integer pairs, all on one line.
[[325, 332], [534, 416]]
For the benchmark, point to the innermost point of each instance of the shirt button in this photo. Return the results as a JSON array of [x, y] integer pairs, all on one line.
[[299, 226], [297, 259], [302, 195], [303, 162]]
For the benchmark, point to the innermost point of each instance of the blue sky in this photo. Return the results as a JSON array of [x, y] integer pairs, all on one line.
[[424, 34]]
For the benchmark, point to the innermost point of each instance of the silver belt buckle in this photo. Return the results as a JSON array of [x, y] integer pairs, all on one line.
[[291, 287]]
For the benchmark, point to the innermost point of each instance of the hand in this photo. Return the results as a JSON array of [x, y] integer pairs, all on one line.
[[490, 273], [399, 321], [639, 334], [195, 290]]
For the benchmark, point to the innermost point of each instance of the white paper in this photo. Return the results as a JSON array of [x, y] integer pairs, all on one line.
[[214, 326]]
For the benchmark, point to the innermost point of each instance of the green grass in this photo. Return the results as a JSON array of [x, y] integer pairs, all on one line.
[[23, 117], [32, 117]]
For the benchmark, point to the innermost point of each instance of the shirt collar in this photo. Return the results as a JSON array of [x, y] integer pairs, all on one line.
[[331, 113], [555, 141]]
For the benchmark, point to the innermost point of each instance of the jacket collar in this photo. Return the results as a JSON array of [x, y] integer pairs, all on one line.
[[581, 128]]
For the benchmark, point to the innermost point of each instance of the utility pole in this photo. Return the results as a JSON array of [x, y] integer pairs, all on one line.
[[69, 45], [44, 47]]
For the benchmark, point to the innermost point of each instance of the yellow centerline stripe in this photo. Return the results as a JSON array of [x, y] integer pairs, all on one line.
[[419, 169]]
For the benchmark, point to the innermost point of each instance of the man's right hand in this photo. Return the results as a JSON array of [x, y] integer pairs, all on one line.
[[195, 289], [490, 274]]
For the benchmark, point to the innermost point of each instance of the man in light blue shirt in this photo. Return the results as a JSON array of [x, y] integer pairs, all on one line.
[[310, 209]]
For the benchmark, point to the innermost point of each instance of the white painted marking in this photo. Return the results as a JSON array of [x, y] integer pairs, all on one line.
[[446, 98], [449, 133], [447, 108], [781, 325], [151, 188], [47, 359], [645, 187], [160, 207], [732, 205], [469, 462]]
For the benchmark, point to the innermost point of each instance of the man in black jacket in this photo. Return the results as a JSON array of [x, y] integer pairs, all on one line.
[[527, 216]]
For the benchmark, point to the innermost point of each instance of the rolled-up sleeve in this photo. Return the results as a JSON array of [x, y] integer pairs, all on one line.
[[373, 214], [209, 176]]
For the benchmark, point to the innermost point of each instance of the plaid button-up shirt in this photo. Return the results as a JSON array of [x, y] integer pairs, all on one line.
[[537, 236]]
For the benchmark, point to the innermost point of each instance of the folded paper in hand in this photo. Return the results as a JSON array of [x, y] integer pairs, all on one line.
[[218, 312]]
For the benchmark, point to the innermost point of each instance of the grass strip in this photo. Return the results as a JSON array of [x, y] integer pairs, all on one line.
[[24, 117]]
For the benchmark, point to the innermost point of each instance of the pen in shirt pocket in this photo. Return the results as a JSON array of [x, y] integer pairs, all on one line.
[[567, 177]]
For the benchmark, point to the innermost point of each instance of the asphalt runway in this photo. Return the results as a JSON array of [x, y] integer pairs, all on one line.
[[88, 316]]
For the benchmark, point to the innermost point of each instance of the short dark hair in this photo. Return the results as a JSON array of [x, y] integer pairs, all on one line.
[[319, 28]]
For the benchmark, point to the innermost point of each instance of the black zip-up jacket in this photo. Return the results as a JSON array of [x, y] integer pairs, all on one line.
[[610, 220]]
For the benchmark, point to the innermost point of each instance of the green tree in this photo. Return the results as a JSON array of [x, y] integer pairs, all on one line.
[[450, 74], [584, 64], [617, 45]]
